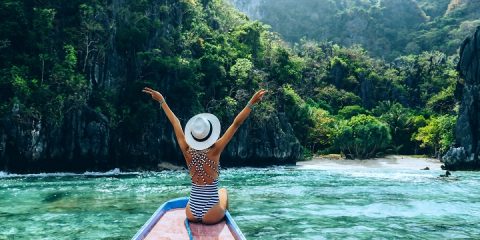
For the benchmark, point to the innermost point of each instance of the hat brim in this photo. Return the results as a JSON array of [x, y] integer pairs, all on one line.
[[208, 142]]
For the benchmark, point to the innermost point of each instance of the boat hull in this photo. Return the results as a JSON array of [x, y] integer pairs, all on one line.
[[168, 222]]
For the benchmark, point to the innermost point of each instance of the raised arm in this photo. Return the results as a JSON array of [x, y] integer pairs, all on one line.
[[177, 127], [239, 119]]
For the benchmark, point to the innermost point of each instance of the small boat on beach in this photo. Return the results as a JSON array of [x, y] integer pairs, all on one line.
[[168, 222]]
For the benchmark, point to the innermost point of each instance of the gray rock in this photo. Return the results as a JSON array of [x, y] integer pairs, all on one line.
[[85, 141], [455, 156], [28, 144], [467, 131], [169, 166], [271, 142]]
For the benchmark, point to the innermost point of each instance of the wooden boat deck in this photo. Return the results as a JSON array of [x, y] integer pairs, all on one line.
[[172, 226]]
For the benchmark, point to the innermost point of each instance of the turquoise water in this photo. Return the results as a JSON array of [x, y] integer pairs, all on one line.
[[273, 203]]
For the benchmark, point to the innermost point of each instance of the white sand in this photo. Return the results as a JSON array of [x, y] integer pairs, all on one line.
[[393, 161]]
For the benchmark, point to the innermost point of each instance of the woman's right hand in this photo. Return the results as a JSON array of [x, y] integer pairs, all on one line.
[[257, 97], [155, 94]]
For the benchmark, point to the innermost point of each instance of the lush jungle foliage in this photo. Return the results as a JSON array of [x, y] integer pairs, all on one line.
[[386, 28], [205, 56], [363, 136]]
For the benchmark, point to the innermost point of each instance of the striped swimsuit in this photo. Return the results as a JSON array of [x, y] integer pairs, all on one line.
[[203, 196]]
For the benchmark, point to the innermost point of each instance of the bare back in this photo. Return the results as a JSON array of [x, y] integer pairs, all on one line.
[[203, 167]]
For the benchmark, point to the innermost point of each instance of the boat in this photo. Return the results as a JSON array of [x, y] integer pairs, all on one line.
[[170, 222]]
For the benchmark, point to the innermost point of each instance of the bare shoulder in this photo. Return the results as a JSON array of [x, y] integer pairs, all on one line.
[[215, 152]]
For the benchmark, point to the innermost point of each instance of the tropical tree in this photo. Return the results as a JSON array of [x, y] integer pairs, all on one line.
[[362, 136], [438, 134]]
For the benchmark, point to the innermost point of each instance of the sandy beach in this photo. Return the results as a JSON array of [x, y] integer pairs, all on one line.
[[392, 161]]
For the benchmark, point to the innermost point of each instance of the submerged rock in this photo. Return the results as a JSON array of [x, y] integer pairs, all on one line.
[[54, 197], [467, 131], [168, 166]]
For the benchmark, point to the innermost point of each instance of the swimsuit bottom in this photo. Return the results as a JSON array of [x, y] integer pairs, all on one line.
[[202, 198]]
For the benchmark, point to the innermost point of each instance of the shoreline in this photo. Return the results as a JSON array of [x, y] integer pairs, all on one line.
[[331, 161], [390, 161]]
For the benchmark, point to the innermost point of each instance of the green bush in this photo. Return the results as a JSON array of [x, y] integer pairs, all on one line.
[[336, 98], [401, 122], [322, 133], [438, 134], [351, 111], [298, 114], [443, 102], [362, 137], [313, 126]]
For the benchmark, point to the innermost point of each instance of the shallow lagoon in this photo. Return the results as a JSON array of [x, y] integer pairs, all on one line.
[[295, 202]]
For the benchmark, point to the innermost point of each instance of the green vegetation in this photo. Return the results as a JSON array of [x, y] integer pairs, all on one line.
[[386, 28], [438, 134], [351, 111], [205, 56], [362, 136], [403, 122]]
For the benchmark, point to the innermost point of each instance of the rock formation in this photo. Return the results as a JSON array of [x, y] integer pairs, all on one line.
[[465, 154], [81, 142], [85, 139]]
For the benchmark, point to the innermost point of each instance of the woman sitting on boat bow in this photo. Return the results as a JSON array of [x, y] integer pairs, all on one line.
[[201, 148]]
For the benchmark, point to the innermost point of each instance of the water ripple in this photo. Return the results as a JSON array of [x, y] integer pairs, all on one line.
[[274, 203]]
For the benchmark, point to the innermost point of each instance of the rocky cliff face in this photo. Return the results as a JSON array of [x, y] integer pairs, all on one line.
[[466, 8], [455, 4], [80, 142], [252, 9], [86, 139], [270, 142], [465, 155]]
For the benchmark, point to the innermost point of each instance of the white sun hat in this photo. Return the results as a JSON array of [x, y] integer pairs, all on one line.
[[202, 131]]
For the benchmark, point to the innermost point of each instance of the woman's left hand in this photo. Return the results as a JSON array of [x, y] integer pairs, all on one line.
[[155, 94], [257, 97]]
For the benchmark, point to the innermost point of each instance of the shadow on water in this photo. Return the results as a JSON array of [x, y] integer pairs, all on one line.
[[54, 197], [43, 177]]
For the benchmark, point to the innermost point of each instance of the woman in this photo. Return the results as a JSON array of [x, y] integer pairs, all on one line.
[[201, 148]]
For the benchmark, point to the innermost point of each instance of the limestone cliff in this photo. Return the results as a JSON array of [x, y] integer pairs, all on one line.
[[84, 141], [455, 4], [85, 138], [465, 155]]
